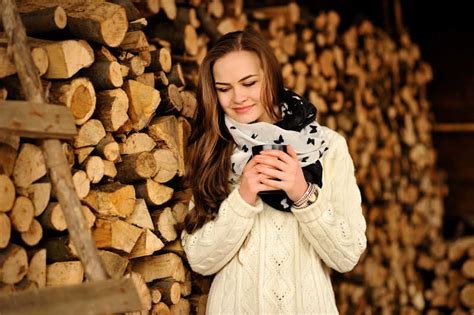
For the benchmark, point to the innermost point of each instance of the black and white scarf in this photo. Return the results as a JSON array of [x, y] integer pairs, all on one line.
[[298, 127]]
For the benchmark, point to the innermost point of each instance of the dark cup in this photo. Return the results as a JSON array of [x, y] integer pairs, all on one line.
[[257, 149]]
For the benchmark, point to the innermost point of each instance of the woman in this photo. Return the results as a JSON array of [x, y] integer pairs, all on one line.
[[268, 225]]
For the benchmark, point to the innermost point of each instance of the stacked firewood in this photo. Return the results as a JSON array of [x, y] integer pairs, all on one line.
[[127, 69]]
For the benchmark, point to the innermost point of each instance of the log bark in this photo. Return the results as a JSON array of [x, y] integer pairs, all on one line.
[[170, 290], [44, 20], [160, 60], [135, 41], [7, 68], [142, 290], [108, 148], [53, 218], [94, 167], [9, 145], [104, 75]]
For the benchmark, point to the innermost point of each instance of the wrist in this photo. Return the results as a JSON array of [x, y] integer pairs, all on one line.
[[247, 197], [309, 197]]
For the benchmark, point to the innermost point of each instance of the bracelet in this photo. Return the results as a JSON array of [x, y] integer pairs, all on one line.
[[305, 196]]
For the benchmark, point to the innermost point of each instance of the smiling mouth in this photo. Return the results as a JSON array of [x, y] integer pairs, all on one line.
[[242, 109]]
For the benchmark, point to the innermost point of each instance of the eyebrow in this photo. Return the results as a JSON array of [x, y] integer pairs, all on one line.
[[243, 79]]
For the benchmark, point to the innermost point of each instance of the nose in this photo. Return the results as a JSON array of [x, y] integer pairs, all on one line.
[[240, 96]]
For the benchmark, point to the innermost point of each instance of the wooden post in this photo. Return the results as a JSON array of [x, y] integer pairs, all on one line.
[[55, 158]]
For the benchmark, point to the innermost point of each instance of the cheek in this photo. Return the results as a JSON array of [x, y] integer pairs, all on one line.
[[223, 99]]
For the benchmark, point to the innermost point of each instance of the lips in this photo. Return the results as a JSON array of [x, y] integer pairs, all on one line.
[[242, 109]]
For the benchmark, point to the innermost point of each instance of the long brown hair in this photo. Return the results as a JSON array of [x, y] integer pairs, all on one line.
[[210, 143]]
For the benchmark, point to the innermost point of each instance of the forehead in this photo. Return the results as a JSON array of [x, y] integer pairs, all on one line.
[[236, 65]]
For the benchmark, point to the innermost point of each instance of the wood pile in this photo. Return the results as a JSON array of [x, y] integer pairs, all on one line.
[[128, 74]]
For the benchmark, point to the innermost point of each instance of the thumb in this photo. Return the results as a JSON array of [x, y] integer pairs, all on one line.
[[291, 152]]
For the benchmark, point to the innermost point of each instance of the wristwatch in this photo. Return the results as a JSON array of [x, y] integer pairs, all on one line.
[[308, 198]]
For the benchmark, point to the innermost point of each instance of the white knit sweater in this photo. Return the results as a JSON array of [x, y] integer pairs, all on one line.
[[273, 262]]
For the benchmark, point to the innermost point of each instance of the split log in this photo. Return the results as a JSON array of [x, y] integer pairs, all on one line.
[[44, 20], [147, 78], [110, 170], [34, 234], [165, 128], [66, 57], [53, 218], [166, 165], [189, 104], [9, 145], [175, 247], [141, 216], [39, 193], [101, 22], [186, 285], [5, 230], [176, 76], [161, 80], [104, 74], [154, 193], [116, 235], [135, 64], [13, 264], [137, 143], [7, 193], [171, 99], [112, 107], [64, 273], [114, 264], [159, 267], [37, 268], [82, 184], [7, 67], [108, 148], [184, 131], [183, 37], [165, 223], [147, 244], [22, 213], [179, 211], [83, 153], [135, 41], [142, 290], [160, 60], [181, 308], [160, 309], [135, 167], [155, 295], [170, 290], [89, 134], [30, 165], [94, 167], [112, 200], [144, 100]]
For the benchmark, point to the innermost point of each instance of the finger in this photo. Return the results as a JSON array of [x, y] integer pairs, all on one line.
[[272, 161], [292, 152], [279, 154], [270, 172], [274, 184]]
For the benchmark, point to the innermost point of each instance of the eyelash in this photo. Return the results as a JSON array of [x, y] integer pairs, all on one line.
[[223, 90]]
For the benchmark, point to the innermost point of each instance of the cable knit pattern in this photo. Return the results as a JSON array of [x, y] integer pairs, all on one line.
[[273, 262]]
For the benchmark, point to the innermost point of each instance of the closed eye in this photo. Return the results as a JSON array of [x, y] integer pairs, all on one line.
[[222, 89], [249, 83]]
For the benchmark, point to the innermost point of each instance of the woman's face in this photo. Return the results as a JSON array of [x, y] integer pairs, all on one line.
[[238, 78]]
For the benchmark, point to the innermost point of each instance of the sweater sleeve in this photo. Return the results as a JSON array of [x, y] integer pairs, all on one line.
[[212, 246], [334, 225]]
